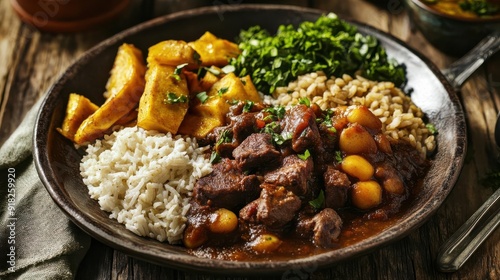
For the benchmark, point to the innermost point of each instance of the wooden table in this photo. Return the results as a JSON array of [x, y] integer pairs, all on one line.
[[31, 61]]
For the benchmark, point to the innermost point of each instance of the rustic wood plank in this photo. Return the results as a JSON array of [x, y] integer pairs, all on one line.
[[97, 262]]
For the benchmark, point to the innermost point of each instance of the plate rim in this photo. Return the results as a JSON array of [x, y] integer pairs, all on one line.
[[190, 262]]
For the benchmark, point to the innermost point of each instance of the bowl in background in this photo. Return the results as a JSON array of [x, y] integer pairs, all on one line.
[[452, 34], [68, 15]]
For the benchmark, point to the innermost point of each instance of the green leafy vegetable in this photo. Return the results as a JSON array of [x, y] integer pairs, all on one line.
[[202, 96], [275, 113], [432, 129], [222, 90], [273, 128], [329, 44], [173, 98], [318, 202], [305, 155], [338, 156], [305, 101], [178, 71], [226, 136], [247, 107], [215, 157]]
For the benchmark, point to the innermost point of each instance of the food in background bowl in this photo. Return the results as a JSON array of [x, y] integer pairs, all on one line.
[[473, 9], [454, 26]]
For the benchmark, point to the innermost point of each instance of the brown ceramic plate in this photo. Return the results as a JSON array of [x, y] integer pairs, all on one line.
[[57, 160]]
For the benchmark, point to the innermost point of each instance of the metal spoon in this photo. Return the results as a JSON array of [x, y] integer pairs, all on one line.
[[464, 242]]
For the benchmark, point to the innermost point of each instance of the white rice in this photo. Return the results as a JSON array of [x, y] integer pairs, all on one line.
[[145, 179]]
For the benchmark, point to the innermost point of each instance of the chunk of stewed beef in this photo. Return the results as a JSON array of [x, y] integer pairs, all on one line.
[[337, 185], [324, 227], [222, 138], [243, 125], [226, 186], [294, 174], [300, 123], [275, 207], [256, 151]]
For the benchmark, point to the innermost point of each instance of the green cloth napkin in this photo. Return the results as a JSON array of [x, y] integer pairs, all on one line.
[[47, 244]]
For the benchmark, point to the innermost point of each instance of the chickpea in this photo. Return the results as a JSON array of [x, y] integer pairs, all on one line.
[[366, 194], [363, 116], [223, 221], [391, 181], [265, 243], [383, 143], [394, 185], [194, 237], [358, 167], [355, 139]]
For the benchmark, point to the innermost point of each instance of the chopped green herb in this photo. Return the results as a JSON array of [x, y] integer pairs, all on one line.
[[280, 139], [202, 96], [273, 128], [432, 129], [276, 113], [305, 101], [228, 69], [338, 156], [214, 157], [318, 202], [222, 90], [329, 44], [232, 101], [248, 106], [178, 71], [202, 71], [173, 98], [213, 71], [305, 155], [327, 118], [226, 136]]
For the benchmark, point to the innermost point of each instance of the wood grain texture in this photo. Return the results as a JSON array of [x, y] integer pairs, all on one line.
[[31, 61]]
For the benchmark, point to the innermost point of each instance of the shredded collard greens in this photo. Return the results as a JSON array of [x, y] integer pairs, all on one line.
[[329, 44]]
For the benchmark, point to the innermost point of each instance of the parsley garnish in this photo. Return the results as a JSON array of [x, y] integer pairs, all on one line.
[[305, 155], [317, 203], [225, 137], [305, 101], [338, 156], [222, 90], [173, 98], [248, 106], [215, 157], [202, 96], [273, 129], [178, 71], [432, 129], [275, 113], [213, 71], [228, 69], [329, 44]]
